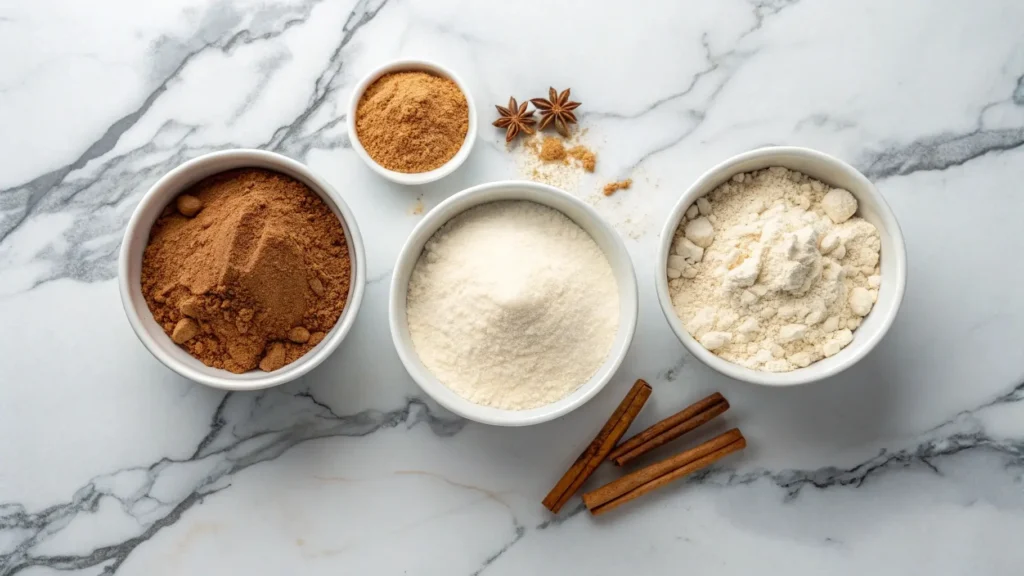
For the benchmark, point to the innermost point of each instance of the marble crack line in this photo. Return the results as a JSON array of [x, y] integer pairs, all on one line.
[[765, 8], [712, 66], [520, 532], [729, 62], [939, 152], [40, 187], [383, 277], [246, 429], [115, 554], [732, 60], [245, 37], [364, 12], [80, 258], [762, 10], [672, 372], [559, 519], [963, 433], [486, 496], [518, 529], [25, 199]]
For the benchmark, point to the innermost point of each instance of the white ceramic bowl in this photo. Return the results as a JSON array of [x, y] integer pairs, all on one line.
[[580, 213], [136, 237], [872, 207], [419, 177]]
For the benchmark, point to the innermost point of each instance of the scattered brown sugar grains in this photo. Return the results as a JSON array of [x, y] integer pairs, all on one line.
[[412, 121], [254, 278], [613, 187]]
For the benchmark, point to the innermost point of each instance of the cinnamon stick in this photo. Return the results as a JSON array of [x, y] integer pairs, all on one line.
[[669, 429], [598, 450], [642, 481]]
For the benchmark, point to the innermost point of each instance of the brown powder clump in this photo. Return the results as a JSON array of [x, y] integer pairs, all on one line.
[[412, 121], [556, 161], [552, 150], [613, 187], [585, 156], [256, 277]]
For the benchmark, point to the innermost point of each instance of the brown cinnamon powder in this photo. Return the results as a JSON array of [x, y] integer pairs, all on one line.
[[613, 187], [256, 277], [555, 161], [412, 121], [552, 150], [585, 156]]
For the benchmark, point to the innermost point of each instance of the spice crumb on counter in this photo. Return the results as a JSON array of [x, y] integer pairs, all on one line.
[[586, 157], [556, 161], [613, 187]]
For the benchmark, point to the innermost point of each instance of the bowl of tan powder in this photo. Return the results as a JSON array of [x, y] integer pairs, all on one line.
[[513, 303], [781, 266], [412, 121], [241, 269]]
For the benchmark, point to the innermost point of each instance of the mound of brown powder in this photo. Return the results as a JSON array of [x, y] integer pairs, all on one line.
[[255, 275], [551, 150], [412, 121]]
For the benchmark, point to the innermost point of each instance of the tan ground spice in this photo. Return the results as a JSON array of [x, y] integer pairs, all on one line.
[[555, 161], [585, 156], [256, 276], [412, 121], [613, 187], [551, 150]]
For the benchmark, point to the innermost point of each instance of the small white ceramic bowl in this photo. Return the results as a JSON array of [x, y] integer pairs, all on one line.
[[580, 213], [136, 237], [419, 177], [872, 207]]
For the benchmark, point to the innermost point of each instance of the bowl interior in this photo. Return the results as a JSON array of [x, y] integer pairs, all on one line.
[[418, 177], [137, 237], [871, 207], [578, 212]]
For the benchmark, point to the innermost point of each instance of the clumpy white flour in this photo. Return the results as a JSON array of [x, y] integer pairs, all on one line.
[[512, 305], [772, 271]]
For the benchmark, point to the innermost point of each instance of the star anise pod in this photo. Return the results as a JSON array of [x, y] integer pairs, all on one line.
[[515, 119], [558, 109]]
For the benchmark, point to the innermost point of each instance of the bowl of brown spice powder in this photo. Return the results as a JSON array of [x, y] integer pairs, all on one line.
[[241, 269], [412, 121]]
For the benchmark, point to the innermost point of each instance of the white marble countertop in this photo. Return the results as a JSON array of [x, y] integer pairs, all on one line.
[[910, 463]]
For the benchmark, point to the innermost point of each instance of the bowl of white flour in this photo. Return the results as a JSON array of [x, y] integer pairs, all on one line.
[[513, 303], [781, 266]]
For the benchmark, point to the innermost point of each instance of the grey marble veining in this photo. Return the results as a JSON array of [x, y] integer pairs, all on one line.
[[250, 429], [911, 462], [245, 430]]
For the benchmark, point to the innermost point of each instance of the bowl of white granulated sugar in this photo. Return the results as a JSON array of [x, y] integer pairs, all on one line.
[[513, 303], [781, 266]]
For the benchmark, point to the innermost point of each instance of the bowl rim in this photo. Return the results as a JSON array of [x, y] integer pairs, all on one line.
[[168, 187], [799, 376], [625, 276], [415, 178]]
